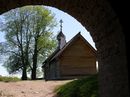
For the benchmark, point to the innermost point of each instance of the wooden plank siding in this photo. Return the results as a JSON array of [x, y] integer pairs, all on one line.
[[77, 59]]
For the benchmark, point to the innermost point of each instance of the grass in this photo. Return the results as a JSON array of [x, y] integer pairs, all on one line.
[[86, 87], [9, 79]]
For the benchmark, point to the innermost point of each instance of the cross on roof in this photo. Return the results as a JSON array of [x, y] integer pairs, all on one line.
[[61, 25]]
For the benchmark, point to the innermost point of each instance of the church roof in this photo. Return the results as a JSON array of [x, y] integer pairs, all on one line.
[[58, 52]]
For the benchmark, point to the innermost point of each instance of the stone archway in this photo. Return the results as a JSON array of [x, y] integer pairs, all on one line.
[[103, 23]]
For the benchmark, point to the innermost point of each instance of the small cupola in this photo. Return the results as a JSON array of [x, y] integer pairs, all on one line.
[[61, 37]]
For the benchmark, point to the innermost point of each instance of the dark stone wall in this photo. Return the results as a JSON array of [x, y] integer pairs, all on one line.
[[104, 22]]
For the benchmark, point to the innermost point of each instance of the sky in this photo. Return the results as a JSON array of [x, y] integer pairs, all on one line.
[[70, 28]]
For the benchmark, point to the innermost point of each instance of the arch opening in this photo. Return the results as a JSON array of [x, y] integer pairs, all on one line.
[[104, 26], [71, 27]]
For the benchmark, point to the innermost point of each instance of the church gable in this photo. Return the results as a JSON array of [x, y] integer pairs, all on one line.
[[77, 59], [79, 48]]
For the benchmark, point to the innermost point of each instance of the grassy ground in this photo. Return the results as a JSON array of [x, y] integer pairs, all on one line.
[[86, 87], [9, 79]]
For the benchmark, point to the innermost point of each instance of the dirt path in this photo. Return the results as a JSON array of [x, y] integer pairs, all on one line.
[[29, 88]]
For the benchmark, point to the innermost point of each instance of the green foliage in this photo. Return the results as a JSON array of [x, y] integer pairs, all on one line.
[[86, 87], [15, 64], [9, 79], [29, 37]]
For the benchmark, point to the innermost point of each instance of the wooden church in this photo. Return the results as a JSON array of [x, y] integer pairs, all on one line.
[[74, 59]]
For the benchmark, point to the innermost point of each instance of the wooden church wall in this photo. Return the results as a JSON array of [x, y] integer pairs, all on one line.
[[77, 60]]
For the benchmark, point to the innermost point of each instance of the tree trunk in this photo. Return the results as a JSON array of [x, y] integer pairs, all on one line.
[[24, 73], [34, 68], [33, 75]]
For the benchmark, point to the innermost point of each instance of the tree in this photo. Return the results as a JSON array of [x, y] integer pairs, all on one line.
[[29, 38]]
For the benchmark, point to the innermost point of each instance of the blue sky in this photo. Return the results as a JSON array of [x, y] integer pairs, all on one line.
[[70, 28]]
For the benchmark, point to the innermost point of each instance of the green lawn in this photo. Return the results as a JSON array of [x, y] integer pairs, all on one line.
[[86, 87]]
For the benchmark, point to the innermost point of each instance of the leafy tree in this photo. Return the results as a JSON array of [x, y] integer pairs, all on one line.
[[29, 38]]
